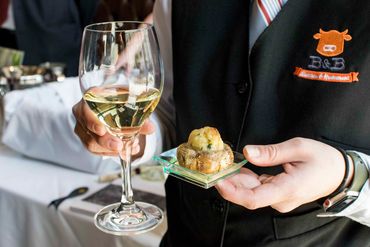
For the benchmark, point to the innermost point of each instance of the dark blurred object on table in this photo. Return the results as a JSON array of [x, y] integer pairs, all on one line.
[[27, 76], [21, 77], [123, 10], [9, 56], [4, 87], [53, 71]]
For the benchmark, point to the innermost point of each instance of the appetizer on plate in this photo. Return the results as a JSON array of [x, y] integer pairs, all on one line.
[[205, 151]]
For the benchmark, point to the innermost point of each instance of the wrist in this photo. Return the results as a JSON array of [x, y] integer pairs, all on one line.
[[349, 192], [347, 174]]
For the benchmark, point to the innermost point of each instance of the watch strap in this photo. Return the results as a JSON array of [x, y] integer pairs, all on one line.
[[361, 173]]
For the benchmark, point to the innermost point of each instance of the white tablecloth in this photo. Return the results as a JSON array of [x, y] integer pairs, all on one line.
[[26, 188]]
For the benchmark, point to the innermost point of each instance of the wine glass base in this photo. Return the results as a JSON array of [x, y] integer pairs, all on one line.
[[138, 218]]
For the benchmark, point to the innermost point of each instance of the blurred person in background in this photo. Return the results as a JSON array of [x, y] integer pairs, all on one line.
[[49, 105], [47, 31], [7, 26], [51, 31]]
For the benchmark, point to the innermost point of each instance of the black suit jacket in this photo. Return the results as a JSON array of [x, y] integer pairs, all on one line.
[[284, 88]]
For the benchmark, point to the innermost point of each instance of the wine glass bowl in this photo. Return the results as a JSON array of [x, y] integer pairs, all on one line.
[[121, 78]]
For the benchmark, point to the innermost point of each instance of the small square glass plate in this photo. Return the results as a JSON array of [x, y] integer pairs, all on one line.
[[170, 166]]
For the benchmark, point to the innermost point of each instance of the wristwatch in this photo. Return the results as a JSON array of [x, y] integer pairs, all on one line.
[[342, 199]]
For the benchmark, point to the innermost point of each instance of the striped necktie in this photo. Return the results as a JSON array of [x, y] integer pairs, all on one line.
[[262, 12]]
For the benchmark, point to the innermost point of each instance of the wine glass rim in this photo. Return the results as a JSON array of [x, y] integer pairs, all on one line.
[[143, 26]]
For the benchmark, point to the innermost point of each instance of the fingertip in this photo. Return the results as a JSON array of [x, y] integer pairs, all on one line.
[[251, 152], [115, 145], [147, 128], [225, 189], [219, 187], [74, 109], [222, 186], [99, 129], [89, 119], [151, 127], [136, 142], [135, 150]]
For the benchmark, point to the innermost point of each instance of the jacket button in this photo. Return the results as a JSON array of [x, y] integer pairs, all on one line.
[[241, 88]]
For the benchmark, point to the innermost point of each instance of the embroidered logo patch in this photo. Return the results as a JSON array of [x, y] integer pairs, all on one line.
[[328, 68], [331, 43]]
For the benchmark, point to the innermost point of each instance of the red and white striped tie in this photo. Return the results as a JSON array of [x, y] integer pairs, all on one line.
[[269, 9], [261, 15]]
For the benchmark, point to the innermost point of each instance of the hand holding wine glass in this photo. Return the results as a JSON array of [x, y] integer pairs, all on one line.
[[98, 140], [122, 96]]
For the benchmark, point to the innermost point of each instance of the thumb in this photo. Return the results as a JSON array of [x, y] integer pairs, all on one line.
[[147, 128], [293, 150]]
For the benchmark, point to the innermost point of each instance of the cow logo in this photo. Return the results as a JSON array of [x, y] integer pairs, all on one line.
[[331, 43], [329, 68]]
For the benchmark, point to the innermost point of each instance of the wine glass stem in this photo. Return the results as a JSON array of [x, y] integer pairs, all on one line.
[[125, 157]]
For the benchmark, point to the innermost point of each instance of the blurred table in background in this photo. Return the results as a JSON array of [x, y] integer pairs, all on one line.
[[26, 188]]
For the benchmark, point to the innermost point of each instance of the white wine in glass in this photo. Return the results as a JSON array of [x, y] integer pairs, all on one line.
[[117, 110], [121, 77]]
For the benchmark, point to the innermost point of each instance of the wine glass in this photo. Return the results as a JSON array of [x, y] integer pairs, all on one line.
[[121, 77]]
